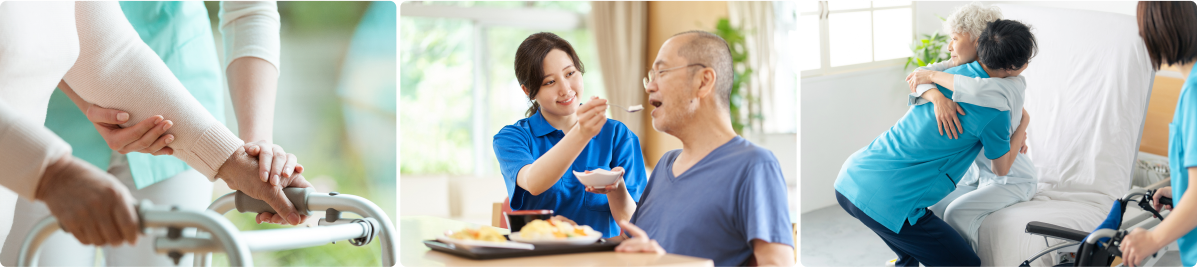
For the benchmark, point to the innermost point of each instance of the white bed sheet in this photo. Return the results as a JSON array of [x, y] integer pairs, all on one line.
[[1087, 93]]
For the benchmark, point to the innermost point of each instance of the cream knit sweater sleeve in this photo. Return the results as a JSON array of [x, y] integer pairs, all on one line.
[[115, 69], [250, 29], [29, 148]]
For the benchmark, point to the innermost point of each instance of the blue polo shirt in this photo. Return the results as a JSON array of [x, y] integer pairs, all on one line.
[[911, 167], [1182, 139], [520, 144]]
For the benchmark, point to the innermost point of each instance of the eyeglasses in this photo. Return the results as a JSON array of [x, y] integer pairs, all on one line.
[[652, 74]]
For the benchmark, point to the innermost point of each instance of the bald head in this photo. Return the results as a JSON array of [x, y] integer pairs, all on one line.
[[710, 50]]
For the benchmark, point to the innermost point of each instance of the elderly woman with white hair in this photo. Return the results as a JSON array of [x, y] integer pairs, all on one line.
[[980, 191]]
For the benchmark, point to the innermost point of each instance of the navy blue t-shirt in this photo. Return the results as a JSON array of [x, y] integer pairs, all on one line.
[[717, 207]]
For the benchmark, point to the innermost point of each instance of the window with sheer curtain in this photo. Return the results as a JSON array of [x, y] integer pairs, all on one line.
[[450, 106], [842, 36]]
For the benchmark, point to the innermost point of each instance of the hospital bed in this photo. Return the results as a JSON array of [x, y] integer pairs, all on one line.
[[217, 234], [1087, 93]]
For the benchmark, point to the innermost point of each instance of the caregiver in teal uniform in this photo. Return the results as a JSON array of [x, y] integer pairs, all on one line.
[[180, 33], [1169, 30]]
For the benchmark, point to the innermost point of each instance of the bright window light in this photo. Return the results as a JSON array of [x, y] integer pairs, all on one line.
[[891, 40], [809, 42], [889, 2], [843, 5], [851, 38], [808, 6]]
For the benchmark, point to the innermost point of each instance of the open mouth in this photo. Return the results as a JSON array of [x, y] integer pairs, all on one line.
[[655, 103]]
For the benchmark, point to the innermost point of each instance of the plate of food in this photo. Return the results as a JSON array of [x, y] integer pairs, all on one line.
[[598, 177], [554, 232], [484, 236]]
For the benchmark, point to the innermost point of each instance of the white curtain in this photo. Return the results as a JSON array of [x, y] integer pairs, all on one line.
[[756, 18], [620, 32]]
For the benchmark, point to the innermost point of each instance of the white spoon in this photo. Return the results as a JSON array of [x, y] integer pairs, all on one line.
[[632, 109]]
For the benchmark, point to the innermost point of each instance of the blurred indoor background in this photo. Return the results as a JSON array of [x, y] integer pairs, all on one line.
[[335, 111], [459, 87]]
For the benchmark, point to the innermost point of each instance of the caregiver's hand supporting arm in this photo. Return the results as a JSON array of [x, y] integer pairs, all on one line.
[[621, 202], [253, 85], [1140, 244], [146, 136], [546, 170], [1001, 166], [945, 113]]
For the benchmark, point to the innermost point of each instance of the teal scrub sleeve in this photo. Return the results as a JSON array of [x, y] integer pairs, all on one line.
[[513, 149], [1188, 128], [629, 156], [995, 137]]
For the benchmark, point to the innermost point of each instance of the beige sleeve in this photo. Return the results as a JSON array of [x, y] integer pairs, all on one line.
[[250, 29], [117, 70], [28, 149]]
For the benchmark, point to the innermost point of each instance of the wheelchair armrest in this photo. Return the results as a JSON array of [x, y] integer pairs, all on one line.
[[1052, 230]]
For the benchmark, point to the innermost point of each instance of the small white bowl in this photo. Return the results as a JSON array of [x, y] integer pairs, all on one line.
[[598, 178]]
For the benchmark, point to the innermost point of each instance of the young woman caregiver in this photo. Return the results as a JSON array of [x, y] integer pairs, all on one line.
[[1169, 30], [539, 154]]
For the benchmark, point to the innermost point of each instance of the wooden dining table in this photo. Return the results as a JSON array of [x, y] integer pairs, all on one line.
[[414, 230]]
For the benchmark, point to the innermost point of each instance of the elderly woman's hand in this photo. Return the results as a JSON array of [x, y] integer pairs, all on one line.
[[919, 77], [88, 202]]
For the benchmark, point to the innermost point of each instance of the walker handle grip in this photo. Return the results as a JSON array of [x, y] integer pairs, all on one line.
[[297, 195]]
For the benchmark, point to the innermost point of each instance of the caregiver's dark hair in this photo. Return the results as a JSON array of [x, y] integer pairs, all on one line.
[[1006, 45], [529, 62], [1167, 29]]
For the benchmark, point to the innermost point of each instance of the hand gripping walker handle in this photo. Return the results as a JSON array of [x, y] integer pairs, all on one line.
[[297, 195]]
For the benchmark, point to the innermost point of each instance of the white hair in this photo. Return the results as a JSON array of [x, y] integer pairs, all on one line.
[[971, 19]]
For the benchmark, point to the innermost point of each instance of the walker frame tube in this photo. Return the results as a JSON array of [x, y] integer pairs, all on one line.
[[322, 202]]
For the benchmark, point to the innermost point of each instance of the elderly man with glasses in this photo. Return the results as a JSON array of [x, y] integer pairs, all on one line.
[[720, 196]]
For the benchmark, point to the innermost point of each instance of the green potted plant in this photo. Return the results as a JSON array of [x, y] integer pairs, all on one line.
[[930, 49], [742, 101]]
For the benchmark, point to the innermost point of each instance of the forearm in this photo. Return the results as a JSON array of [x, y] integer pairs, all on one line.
[[934, 95], [116, 70], [29, 152], [772, 254], [1183, 218], [622, 204], [546, 170], [253, 85], [944, 79]]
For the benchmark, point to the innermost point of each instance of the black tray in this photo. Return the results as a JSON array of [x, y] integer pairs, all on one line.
[[486, 253]]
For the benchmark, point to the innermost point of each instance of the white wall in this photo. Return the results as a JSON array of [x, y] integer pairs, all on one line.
[[840, 114], [926, 21]]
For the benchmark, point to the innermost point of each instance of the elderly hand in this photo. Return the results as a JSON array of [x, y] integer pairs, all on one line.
[[240, 172], [618, 186], [89, 203], [273, 162], [919, 77], [146, 136], [639, 241], [1139, 245]]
